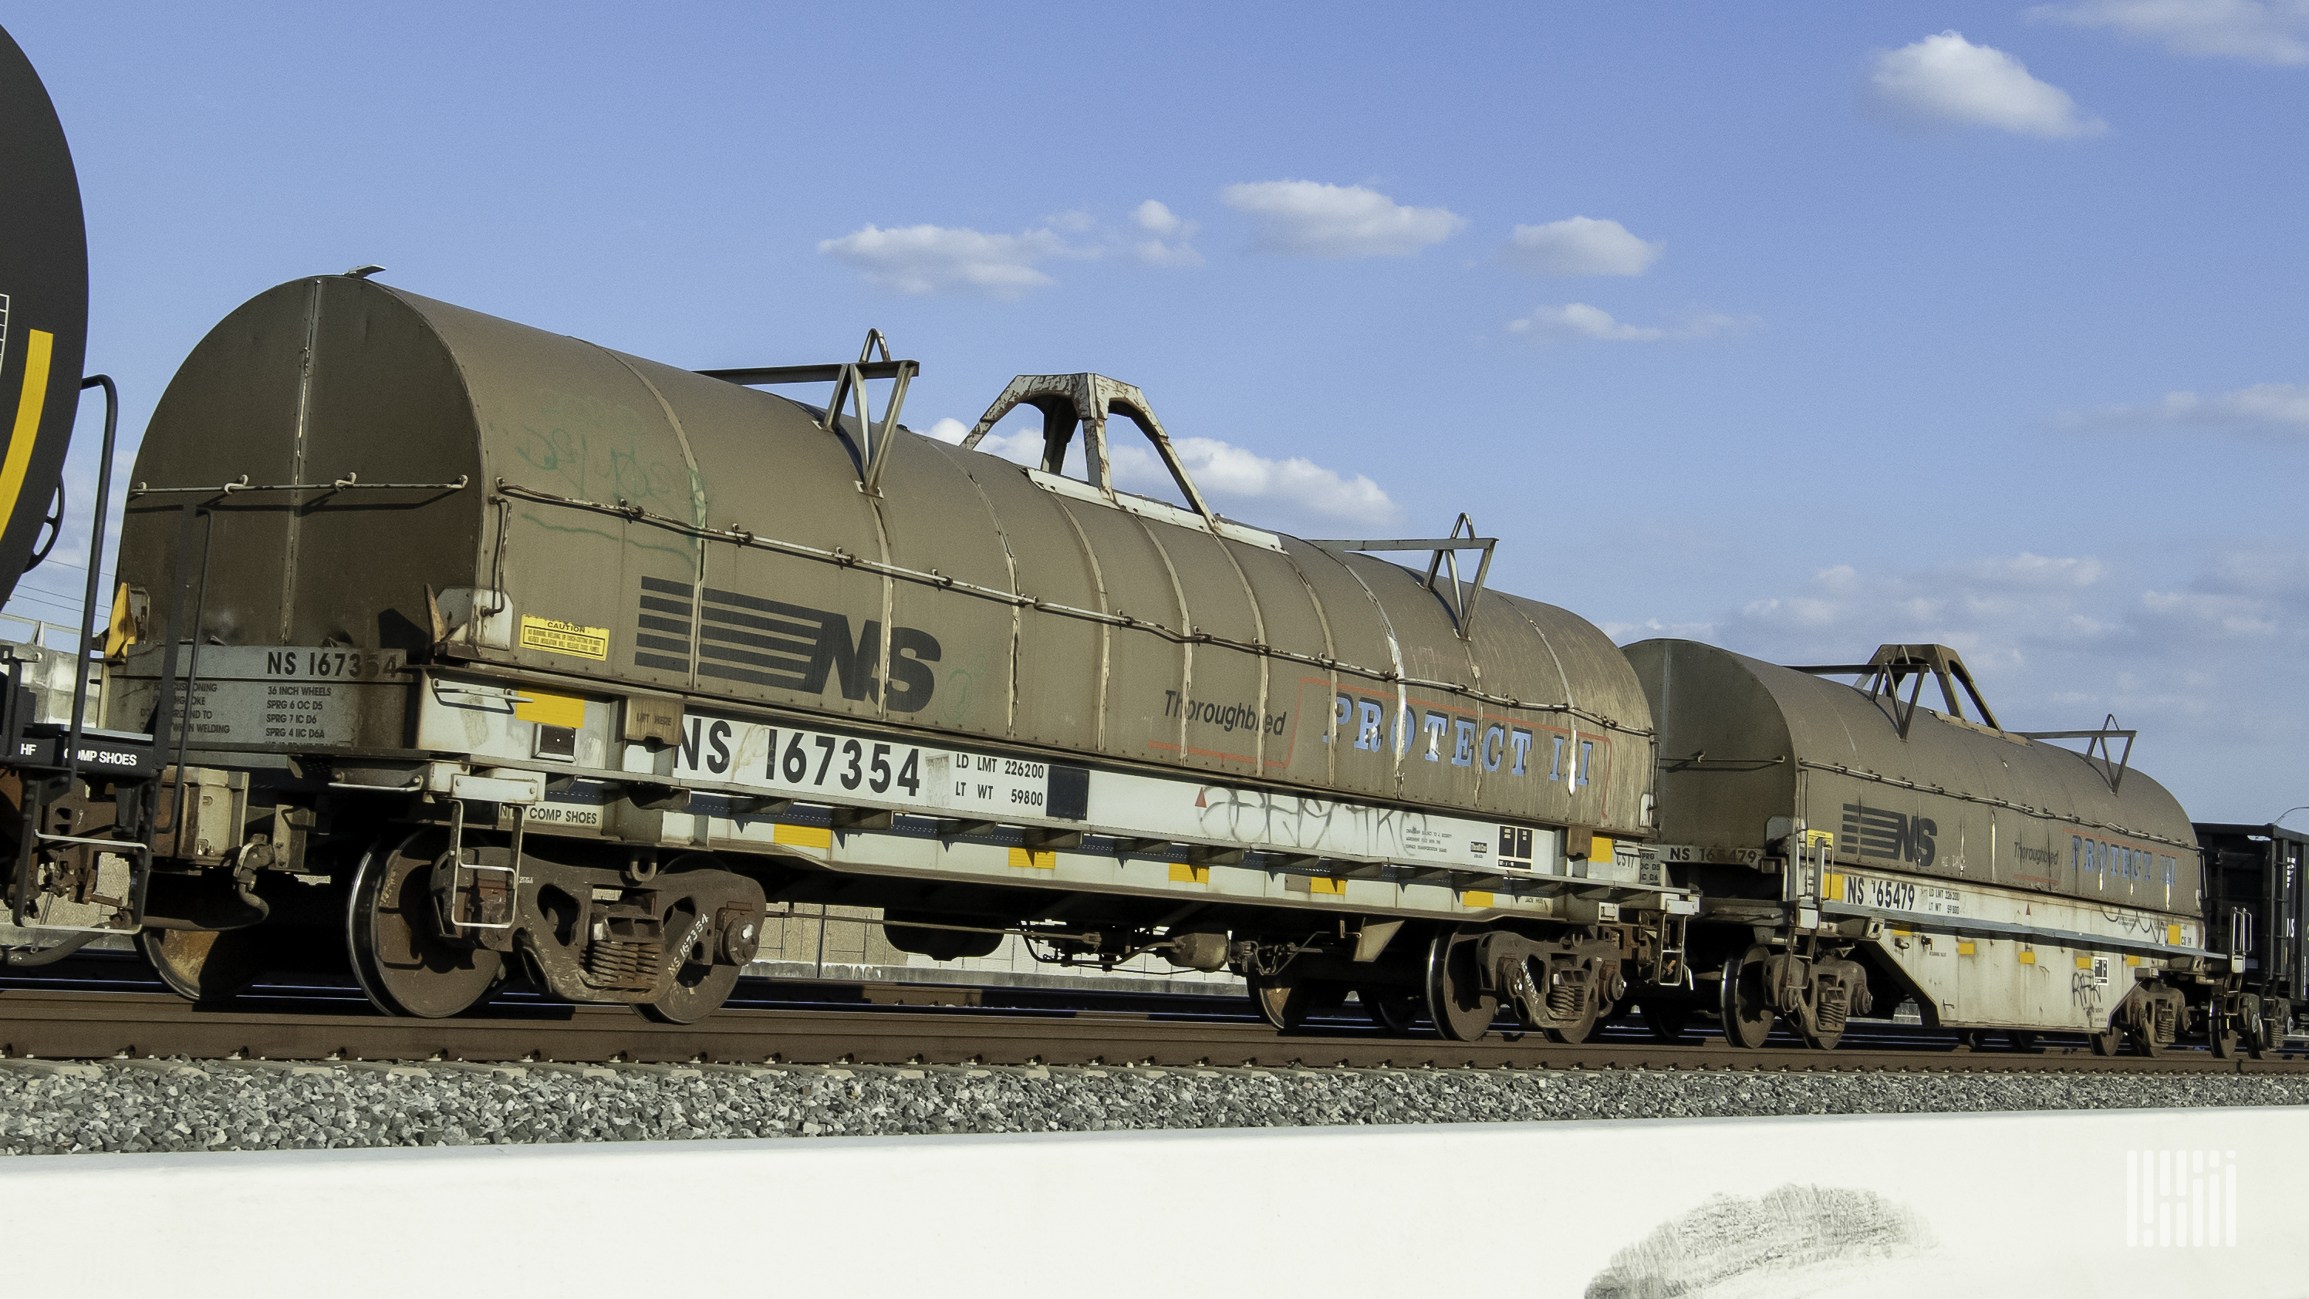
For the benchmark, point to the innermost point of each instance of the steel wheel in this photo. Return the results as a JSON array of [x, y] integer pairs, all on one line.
[[202, 964], [2109, 1040], [1282, 999], [1748, 1013], [2144, 1038], [1667, 1019], [1814, 1038], [1392, 1009], [1574, 1032], [404, 966], [1456, 1002], [2222, 1036], [698, 991]]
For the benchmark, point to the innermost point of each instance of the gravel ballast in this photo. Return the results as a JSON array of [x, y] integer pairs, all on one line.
[[173, 1106]]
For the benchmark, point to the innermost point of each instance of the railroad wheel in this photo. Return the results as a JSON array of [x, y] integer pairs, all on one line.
[[2144, 1038], [2222, 1036], [698, 991], [2109, 1040], [1747, 1009], [2253, 1028], [207, 965], [401, 961], [1575, 1031], [1816, 1038], [1456, 1002], [1392, 1009], [1283, 1000], [1667, 1019]]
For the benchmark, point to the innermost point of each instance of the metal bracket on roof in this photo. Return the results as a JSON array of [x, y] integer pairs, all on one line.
[[1067, 400], [2101, 750], [849, 380], [1461, 598], [1894, 664]]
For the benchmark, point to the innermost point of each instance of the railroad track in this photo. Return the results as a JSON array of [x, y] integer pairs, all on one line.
[[56, 1025]]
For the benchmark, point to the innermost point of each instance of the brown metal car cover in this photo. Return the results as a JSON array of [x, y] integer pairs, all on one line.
[[1743, 742], [657, 530]]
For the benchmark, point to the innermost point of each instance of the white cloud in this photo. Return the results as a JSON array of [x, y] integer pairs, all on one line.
[[1167, 235], [1579, 246], [1579, 320], [2275, 33], [2262, 408], [938, 259], [1947, 80], [1305, 218], [1225, 472]]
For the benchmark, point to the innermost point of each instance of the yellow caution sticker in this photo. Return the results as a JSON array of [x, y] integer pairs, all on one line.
[[550, 710], [803, 836], [557, 637], [1029, 859]]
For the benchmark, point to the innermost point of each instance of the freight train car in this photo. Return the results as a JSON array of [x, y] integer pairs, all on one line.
[[1857, 848], [2254, 910], [484, 648]]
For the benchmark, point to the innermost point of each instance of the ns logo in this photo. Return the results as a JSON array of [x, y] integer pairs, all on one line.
[[1875, 832]]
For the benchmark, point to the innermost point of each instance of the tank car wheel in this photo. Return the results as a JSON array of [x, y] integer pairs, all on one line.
[[1583, 1029], [1815, 1039], [1392, 1009], [2109, 1040], [1667, 1019], [404, 966], [2222, 1037], [1283, 1000], [206, 965], [698, 991], [1456, 1002], [1748, 1011], [2144, 1039]]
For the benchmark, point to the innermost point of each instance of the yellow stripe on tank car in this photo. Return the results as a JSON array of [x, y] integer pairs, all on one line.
[[1475, 899], [1182, 873], [1031, 860], [28, 408]]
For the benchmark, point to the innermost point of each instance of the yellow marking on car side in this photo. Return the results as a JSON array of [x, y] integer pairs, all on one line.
[[803, 836], [1182, 873], [1029, 859], [550, 710], [37, 354]]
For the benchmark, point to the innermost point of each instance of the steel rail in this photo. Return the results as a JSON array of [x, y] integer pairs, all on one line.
[[97, 1026]]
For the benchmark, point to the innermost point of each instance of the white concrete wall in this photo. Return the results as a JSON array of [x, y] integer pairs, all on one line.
[[2019, 1205]]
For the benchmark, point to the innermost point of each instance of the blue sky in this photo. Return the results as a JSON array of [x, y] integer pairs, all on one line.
[[1793, 329]]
